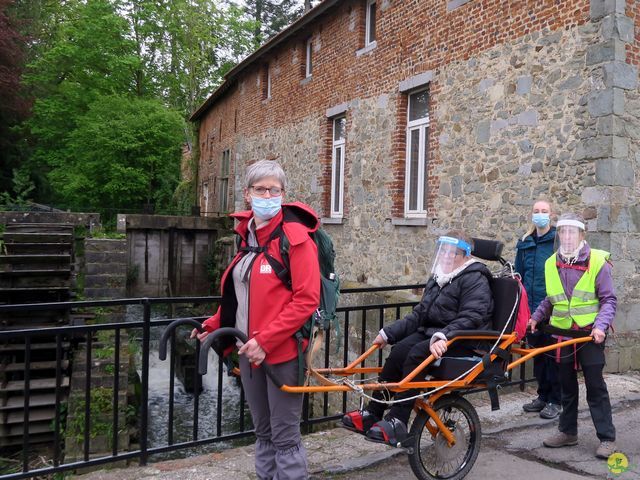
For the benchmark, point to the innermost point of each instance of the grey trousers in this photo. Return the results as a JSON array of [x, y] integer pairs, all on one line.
[[280, 454]]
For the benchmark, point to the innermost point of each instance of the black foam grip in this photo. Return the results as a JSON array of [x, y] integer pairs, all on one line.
[[162, 351], [233, 332]]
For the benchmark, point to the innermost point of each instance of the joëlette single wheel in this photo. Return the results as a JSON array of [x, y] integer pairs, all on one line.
[[432, 457]]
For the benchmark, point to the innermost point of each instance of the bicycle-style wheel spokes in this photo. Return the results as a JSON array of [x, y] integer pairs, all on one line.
[[432, 456]]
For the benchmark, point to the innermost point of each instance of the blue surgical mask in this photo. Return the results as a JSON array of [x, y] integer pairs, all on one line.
[[540, 220], [266, 208]]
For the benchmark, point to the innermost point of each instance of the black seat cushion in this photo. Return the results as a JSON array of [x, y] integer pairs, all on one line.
[[505, 296], [505, 310]]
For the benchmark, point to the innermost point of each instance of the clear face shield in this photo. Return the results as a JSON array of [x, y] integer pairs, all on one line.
[[569, 238], [450, 254]]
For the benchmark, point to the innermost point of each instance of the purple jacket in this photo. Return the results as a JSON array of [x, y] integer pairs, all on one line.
[[604, 289]]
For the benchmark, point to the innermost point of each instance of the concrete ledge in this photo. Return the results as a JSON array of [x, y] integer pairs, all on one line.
[[453, 4], [163, 222], [416, 81], [367, 49], [337, 110], [410, 222], [332, 221]]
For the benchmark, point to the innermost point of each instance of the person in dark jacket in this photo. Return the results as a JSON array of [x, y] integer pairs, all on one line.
[[532, 251], [456, 297]]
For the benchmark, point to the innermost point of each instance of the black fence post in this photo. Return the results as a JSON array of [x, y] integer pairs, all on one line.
[[27, 396], [144, 400]]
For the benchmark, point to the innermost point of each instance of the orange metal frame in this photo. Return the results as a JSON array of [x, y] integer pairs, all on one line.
[[426, 404]]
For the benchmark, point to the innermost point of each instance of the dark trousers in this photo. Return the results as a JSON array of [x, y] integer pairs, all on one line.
[[591, 358], [404, 357], [280, 454], [545, 368]]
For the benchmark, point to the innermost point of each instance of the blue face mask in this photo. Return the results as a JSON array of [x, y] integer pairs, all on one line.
[[266, 208], [540, 220]]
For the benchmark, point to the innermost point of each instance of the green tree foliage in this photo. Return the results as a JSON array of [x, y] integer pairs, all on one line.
[[22, 189], [271, 16], [94, 54], [124, 153], [186, 46], [110, 80], [90, 58]]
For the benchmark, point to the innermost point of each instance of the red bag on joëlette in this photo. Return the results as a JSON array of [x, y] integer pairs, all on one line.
[[524, 314]]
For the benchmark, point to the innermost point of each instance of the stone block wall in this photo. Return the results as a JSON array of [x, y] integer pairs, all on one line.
[[105, 274], [535, 99]]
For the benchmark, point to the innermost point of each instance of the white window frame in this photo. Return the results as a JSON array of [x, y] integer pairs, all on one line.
[[367, 36], [205, 197], [422, 125], [308, 68], [337, 189]]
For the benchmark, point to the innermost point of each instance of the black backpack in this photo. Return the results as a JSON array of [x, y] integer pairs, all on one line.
[[325, 315]]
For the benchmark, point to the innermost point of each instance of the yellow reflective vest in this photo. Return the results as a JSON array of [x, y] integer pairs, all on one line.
[[583, 306]]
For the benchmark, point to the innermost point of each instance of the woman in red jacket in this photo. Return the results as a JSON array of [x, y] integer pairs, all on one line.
[[257, 302]]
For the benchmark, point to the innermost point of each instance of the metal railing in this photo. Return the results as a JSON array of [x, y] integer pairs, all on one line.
[[359, 322]]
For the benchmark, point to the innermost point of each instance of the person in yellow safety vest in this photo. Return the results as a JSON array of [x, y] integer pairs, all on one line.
[[580, 296]]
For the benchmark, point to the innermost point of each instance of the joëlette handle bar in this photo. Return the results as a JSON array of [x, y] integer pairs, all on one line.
[[231, 332], [162, 352]]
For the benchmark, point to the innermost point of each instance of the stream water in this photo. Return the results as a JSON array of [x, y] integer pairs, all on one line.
[[184, 401]]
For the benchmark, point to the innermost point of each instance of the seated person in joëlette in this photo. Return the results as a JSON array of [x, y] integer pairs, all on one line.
[[457, 296]]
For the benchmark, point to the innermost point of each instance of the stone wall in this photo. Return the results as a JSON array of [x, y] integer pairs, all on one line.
[[105, 272], [549, 109], [88, 220]]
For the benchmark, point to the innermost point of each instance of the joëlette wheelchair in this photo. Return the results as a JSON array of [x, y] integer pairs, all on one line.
[[444, 437]]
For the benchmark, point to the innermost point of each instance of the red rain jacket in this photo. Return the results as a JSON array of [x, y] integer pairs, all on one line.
[[275, 312]]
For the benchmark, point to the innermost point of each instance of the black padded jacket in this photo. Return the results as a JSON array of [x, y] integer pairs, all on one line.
[[465, 303]]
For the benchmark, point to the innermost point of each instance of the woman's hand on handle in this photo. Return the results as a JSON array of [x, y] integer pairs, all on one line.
[[200, 336], [531, 325], [598, 335], [253, 351]]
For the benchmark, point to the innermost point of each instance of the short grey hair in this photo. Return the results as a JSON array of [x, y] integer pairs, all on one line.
[[263, 169]]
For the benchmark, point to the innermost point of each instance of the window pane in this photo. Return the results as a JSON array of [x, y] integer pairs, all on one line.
[[224, 170], [372, 22], [339, 126], [337, 173], [418, 105], [224, 183], [309, 57], [414, 155]]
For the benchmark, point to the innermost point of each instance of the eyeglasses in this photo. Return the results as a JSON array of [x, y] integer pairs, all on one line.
[[274, 191], [450, 253]]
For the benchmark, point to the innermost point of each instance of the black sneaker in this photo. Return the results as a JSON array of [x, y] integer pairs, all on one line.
[[535, 406], [550, 411], [359, 421], [390, 431]]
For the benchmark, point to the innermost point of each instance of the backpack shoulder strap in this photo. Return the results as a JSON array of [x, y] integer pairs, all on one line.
[[282, 270]]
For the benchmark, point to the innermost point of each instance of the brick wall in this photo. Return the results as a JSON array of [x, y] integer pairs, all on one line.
[[412, 37]]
